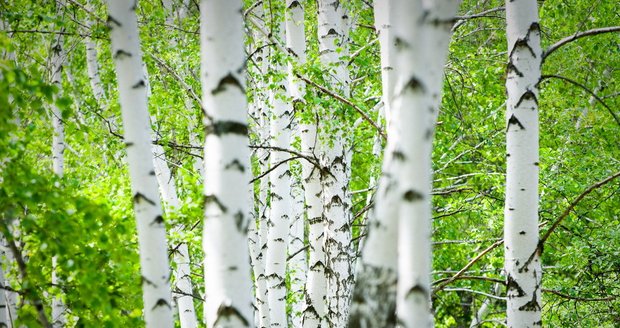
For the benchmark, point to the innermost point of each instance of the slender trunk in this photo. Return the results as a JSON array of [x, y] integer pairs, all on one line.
[[151, 229], [333, 142], [485, 308], [183, 295], [281, 205], [374, 300], [383, 26], [522, 263], [315, 310], [422, 35], [315, 307], [5, 313], [227, 165], [297, 266], [259, 228], [7, 260], [92, 64], [58, 160]]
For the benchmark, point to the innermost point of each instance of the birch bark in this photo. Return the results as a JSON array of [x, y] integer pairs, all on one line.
[[92, 64], [7, 260], [259, 229], [333, 142], [374, 300], [151, 229], [227, 165], [5, 307], [167, 188], [297, 266], [315, 310], [422, 35], [58, 159], [522, 263], [281, 204]]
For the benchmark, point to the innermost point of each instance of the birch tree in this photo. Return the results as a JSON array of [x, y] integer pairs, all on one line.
[[58, 158], [422, 34], [333, 32], [522, 262], [151, 229], [259, 230], [315, 292], [227, 165], [184, 297], [281, 201], [297, 266], [374, 301]]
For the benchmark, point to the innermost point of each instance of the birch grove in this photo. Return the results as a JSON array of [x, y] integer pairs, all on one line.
[[294, 163]]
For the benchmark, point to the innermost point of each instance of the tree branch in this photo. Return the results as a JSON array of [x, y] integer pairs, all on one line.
[[576, 36], [344, 101], [577, 298], [544, 77], [572, 205], [467, 266]]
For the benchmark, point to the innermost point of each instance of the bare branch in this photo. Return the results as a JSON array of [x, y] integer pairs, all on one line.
[[581, 299], [344, 101], [177, 77], [611, 111], [572, 206], [467, 266], [576, 36]]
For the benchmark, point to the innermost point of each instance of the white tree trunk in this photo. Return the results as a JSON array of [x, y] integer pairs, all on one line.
[[92, 64], [374, 301], [315, 310], [333, 142], [184, 297], [151, 229], [58, 159], [6, 256], [383, 26], [522, 263], [281, 204], [5, 304], [485, 308], [297, 266], [227, 165], [260, 227], [422, 34]]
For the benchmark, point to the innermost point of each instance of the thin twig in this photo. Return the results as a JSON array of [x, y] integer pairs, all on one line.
[[344, 101], [572, 205], [544, 77], [467, 266], [581, 299]]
